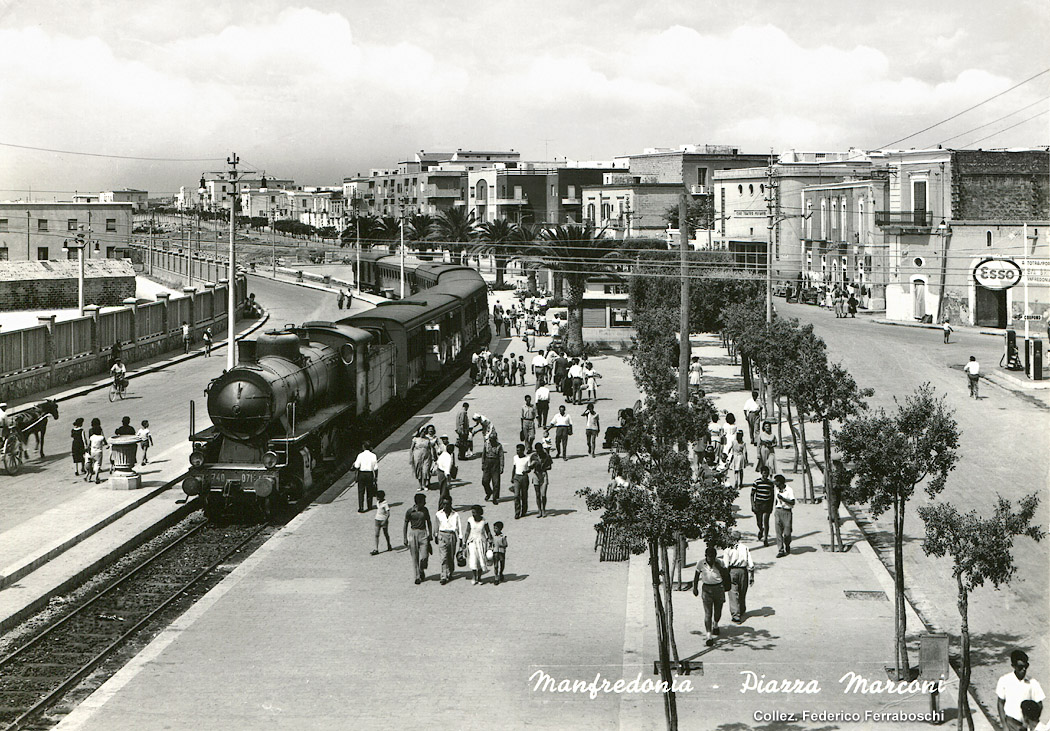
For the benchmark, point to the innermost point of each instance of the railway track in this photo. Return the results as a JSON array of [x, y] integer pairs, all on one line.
[[40, 672]]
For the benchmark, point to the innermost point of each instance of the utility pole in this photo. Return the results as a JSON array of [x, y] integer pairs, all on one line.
[[151, 218], [771, 197], [29, 246], [231, 307], [357, 232], [273, 240], [684, 349], [402, 202]]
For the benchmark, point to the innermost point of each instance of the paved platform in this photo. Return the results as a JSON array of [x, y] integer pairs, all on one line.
[[312, 632]]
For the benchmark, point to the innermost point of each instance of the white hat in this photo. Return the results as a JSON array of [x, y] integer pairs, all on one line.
[[477, 417], [3, 405]]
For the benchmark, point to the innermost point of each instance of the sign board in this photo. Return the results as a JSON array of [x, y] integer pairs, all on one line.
[[933, 656], [1036, 271], [997, 273]]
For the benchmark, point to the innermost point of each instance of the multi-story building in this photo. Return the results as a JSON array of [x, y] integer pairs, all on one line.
[[139, 199], [219, 190], [629, 205], [947, 212], [540, 193], [744, 199], [38, 231]]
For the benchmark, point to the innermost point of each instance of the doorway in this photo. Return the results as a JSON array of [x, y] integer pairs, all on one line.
[[918, 289], [990, 306]]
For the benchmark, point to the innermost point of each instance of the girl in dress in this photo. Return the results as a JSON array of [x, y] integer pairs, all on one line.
[[730, 433], [421, 457], [738, 459], [78, 447], [476, 541], [767, 442]]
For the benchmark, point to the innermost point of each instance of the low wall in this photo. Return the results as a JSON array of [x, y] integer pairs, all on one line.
[[53, 353], [53, 285]]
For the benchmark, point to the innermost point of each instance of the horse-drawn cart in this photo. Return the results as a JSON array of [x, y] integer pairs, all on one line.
[[16, 430]]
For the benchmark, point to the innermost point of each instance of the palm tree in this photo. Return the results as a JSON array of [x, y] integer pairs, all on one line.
[[498, 238], [526, 236], [577, 252], [387, 231], [419, 229], [455, 228]]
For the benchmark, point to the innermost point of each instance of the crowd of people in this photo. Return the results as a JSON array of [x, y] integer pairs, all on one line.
[[88, 447]]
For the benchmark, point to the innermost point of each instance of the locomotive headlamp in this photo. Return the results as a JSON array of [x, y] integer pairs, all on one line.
[[191, 486], [263, 486], [196, 458], [269, 460]]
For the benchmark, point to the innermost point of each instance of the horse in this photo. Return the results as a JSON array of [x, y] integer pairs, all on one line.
[[33, 421]]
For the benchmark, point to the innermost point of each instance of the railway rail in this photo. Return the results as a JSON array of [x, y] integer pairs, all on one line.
[[41, 671]]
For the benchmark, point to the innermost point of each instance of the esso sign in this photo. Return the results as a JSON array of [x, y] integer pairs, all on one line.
[[997, 273]]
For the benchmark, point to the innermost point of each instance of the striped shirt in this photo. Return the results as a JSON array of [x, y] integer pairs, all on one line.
[[762, 493]]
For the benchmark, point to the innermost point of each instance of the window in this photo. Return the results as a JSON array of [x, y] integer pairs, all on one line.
[[3, 253], [111, 224], [71, 224], [41, 253], [740, 190], [590, 211], [554, 190], [750, 190], [41, 224], [701, 176], [809, 219], [224, 189], [517, 193], [619, 317], [4, 225], [572, 191], [918, 201], [988, 238], [823, 218]]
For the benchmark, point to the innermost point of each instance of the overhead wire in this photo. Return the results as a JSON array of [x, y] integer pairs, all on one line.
[[1018, 124], [1000, 119]]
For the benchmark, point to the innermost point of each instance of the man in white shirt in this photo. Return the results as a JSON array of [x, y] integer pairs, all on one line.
[[752, 412], [367, 466], [973, 375], [575, 391], [562, 424], [445, 461], [543, 405], [783, 502], [449, 533], [1015, 687], [539, 369], [519, 481], [737, 559]]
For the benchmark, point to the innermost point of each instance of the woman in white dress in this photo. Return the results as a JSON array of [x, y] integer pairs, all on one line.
[[476, 542], [730, 433]]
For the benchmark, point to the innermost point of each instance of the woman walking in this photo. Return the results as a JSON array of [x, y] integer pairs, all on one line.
[[477, 540], [421, 457], [730, 433], [767, 442], [738, 459], [591, 427], [79, 446]]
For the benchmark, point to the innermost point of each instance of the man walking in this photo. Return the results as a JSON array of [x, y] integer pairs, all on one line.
[[519, 480], [1013, 689], [449, 533], [539, 369], [785, 501], [752, 412], [492, 462], [973, 375], [418, 532], [463, 430], [737, 559], [445, 466], [187, 337], [528, 423], [947, 327], [562, 425], [712, 576], [561, 367], [367, 466], [543, 405]]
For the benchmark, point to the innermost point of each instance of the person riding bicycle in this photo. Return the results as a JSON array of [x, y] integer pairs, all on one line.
[[120, 373]]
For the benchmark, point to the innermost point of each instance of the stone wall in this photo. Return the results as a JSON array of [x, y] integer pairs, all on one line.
[[52, 285], [1000, 186]]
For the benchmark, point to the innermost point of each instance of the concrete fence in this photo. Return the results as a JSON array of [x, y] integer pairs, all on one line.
[[53, 353]]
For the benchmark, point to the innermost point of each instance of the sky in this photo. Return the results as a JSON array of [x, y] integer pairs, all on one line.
[[320, 90]]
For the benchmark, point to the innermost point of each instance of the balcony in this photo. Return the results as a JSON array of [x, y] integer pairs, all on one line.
[[572, 201], [435, 192], [512, 201], [700, 190], [904, 219]]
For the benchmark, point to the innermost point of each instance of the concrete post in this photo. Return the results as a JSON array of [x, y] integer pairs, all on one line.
[[92, 312], [166, 327], [191, 293], [222, 294], [131, 354], [49, 346]]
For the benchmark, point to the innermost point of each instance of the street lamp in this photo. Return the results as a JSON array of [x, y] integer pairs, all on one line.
[[78, 243]]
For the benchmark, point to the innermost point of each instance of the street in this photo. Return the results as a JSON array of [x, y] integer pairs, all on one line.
[[1003, 451]]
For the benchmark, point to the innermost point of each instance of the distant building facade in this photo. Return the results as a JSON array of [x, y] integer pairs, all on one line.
[[38, 231], [139, 199]]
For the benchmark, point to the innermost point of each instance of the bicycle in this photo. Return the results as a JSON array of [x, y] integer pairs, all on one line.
[[118, 390]]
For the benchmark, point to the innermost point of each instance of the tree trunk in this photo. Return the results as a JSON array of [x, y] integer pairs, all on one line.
[[670, 707], [665, 568], [794, 443], [574, 320], [806, 472], [559, 286], [534, 287], [900, 617], [829, 490], [964, 675], [501, 268]]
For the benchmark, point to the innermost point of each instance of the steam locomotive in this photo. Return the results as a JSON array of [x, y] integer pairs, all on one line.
[[297, 400]]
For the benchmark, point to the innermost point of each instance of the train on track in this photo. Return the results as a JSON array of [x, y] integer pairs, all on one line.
[[300, 397]]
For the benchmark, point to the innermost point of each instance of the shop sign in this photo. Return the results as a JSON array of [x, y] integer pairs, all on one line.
[[997, 273]]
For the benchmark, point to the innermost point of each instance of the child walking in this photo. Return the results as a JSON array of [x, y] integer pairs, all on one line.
[[499, 550], [382, 521], [947, 327], [79, 446], [145, 440]]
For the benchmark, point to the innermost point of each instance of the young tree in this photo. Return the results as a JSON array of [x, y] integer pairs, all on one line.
[[498, 238], [699, 214], [981, 550], [885, 457]]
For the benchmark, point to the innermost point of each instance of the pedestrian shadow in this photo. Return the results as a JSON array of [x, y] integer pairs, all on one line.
[[993, 648], [735, 636], [795, 550], [556, 513], [763, 612], [508, 578]]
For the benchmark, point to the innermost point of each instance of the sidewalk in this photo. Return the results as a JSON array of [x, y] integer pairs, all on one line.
[[812, 615]]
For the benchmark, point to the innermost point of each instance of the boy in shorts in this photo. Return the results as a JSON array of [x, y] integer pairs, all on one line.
[[145, 440], [382, 521], [499, 550]]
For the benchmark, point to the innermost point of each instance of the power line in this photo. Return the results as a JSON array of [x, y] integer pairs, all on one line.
[[1000, 119], [968, 109], [114, 157], [993, 134]]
